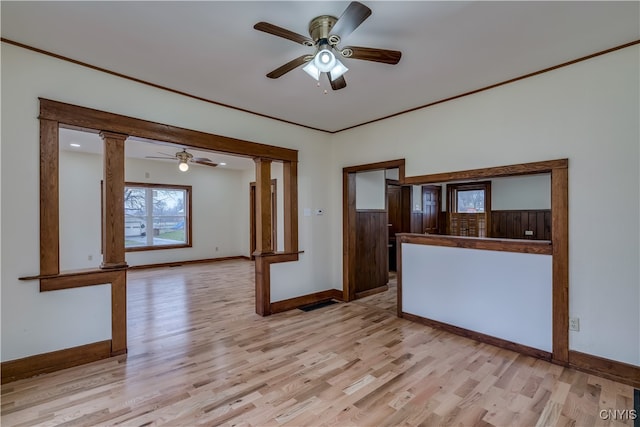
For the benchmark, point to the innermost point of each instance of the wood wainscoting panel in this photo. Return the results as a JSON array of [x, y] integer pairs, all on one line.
[[27, 367], [371, 250], [512, 224]]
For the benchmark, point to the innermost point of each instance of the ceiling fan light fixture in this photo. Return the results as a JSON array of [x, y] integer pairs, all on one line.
[[324, 60], [183, 166], [312, 70], [338, 70]]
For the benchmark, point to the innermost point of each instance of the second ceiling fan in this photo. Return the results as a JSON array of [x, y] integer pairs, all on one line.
[[326, 33]]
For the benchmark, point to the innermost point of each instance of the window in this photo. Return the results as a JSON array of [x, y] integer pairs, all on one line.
[[469, 197], [156, 216]]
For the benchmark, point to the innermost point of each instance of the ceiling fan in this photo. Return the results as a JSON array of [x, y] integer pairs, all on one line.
[[184, 158], [326, 33]]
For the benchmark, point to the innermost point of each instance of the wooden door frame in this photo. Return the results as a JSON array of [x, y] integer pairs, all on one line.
[[117, 129], [349, 219]]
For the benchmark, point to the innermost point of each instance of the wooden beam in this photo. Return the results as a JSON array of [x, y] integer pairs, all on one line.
[[113, 254], [492, 172], [89, 119]]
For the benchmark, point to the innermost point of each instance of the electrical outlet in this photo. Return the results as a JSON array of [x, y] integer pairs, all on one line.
[[90, 257], [574, 324], [528, 232]]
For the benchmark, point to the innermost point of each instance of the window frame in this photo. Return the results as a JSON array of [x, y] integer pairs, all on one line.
[[188, 216], [453, 189]]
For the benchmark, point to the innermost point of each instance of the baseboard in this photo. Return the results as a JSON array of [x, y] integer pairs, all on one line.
[[193, 261], [373, 291], [291, 303], [27, 367], [498, 342], [607, 368]]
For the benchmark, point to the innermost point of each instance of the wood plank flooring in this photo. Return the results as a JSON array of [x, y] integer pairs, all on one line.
[[198, 355]]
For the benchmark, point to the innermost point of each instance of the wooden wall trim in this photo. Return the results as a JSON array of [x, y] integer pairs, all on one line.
[[477, 336], [560, 263], [290, 190], [292, 303], [69, 281], [91, 120], [491, 172], [49, 197], [542, 247], [27, 367], [119, 314], [186, 262], [389, 164], [373, 291], [610, 369]]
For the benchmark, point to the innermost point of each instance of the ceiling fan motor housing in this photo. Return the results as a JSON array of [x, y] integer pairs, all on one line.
[[320, 27]]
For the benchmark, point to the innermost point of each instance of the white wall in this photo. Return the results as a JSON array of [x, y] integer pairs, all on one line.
[[521, 192], [219, 217], [502, 294], [34, 322], [587, 112]]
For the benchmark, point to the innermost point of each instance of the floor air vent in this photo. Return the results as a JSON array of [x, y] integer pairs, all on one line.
[[317, 305]]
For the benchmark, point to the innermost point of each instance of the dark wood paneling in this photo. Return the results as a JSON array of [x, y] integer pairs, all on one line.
[[431, 202], [371, 250], [27, 367], [512, 224], [416, 223]]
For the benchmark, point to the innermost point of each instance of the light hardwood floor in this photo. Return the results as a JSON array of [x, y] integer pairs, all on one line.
[[199, 355]]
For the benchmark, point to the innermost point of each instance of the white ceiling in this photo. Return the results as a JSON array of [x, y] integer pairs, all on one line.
[[210, 49]]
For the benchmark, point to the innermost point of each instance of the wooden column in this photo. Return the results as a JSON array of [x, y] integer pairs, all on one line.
[[290, 179], [119, 314], [113, 201], [263, 236], [263, 207], [49, 197]]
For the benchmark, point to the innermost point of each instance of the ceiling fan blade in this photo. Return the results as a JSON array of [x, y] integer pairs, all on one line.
[[338, 83], [283, 32], [162, 158], [372, 54], [209, 163], [351, 18], [289, 66], [202, 159]]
